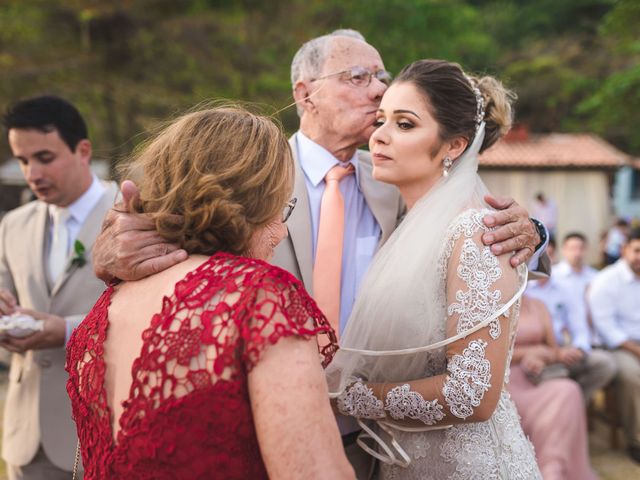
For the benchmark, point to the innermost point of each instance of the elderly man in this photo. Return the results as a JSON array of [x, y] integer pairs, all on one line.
[[614, 298], [44, 250], [343, 215]]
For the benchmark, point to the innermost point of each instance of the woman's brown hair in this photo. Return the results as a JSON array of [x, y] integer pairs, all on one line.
[[212, 177]]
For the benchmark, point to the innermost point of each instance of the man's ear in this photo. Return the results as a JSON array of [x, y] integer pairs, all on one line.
[[456, 147], [302, 96], [84, 149]]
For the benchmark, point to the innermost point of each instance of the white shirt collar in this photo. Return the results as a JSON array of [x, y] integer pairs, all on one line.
[[550, 284], [316, 160], [82, 207]]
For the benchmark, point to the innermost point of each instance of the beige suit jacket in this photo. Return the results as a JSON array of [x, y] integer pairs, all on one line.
[[37, 409], [295, 253]]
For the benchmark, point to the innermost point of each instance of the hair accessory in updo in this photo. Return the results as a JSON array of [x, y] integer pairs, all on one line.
[[479, 101]]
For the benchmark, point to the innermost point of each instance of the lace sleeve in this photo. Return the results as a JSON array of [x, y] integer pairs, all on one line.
[[477, 285], [280, 307]]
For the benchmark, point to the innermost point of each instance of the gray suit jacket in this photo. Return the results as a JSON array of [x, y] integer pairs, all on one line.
[[295, 254], [37, 409]]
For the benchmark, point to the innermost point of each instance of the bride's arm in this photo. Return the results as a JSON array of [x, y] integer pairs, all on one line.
[[478, 283]]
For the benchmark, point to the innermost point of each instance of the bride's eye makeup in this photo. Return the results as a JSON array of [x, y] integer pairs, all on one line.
[[405, 125], [378, 122]]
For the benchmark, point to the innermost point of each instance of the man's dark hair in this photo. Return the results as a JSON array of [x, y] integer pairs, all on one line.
[[621, 222], [634, 234], [46, 114], [578, 235]]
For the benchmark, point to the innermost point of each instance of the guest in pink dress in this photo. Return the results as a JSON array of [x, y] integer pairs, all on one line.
[[551, 409]]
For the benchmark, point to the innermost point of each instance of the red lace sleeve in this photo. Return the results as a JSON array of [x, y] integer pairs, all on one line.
[[279, 307]]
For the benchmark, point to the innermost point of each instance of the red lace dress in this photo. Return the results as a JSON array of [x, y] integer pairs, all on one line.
[[188, 413]]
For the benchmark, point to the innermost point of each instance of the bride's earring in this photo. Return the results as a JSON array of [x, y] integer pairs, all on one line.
[[447, 165]]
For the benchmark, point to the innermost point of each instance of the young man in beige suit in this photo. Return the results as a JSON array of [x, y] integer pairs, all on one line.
[[338, 81], [45, 271]]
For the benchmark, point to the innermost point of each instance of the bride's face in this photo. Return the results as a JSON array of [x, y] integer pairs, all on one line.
[[405, 147]]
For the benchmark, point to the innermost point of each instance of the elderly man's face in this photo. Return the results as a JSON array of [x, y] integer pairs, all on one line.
[[347, 111]]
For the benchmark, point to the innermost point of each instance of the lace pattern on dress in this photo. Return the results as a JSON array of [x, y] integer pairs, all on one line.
[[468, 380], [508, 453], [359, 401], [479, 269], [402, 402], [188, 410], [497, 448]]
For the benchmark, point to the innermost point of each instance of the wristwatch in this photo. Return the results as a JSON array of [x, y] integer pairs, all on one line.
[[542, 231]]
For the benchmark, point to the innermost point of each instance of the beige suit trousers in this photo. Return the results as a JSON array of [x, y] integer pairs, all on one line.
[[628, 392], [596, 372]]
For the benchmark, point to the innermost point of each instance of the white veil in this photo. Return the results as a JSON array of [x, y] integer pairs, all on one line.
[[401, 302]]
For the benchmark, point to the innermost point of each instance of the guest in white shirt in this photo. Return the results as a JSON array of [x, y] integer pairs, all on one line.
[[614, 241], [591, 368], [614, 299], [574, 273]]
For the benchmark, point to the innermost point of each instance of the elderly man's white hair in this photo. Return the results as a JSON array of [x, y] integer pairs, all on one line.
[[309, 59]]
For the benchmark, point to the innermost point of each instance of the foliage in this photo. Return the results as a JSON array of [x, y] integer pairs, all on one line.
[[128, 63]]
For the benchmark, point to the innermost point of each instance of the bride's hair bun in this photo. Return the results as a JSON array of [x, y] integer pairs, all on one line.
[[498, 109], [450, 96]]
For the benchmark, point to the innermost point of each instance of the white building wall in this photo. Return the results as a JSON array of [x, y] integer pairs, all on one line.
[[582, 196]]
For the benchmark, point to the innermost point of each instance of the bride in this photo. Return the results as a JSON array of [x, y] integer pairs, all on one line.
[[424, 359]]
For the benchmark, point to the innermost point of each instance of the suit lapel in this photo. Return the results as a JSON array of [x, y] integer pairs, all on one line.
[[89, 231], [377, 196], [299, 224]]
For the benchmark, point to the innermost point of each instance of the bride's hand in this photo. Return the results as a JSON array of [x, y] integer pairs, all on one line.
[[514, 232]]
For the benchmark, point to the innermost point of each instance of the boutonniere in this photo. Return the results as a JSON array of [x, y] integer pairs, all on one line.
[[78, 259]]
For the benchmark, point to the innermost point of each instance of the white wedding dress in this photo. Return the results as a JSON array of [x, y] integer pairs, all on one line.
[[424, 359]]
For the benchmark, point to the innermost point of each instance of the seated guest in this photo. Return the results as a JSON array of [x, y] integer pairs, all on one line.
[[551, 410], [614, 299], [563, 293], [180, 375], [573, 270], [576, 275]]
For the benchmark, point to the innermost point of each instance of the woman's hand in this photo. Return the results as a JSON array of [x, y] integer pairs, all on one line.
[[533, 363]]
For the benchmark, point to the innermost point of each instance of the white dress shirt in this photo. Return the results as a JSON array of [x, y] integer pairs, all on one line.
[[79, 211], [575, 281], [614, 242], [614, 299], [567, 314], [361, 230]]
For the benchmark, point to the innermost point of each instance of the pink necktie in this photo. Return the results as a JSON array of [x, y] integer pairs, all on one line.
[[328, 264]]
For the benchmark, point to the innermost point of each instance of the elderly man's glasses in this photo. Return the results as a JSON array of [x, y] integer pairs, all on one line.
[[360, 76], [288, 209]]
